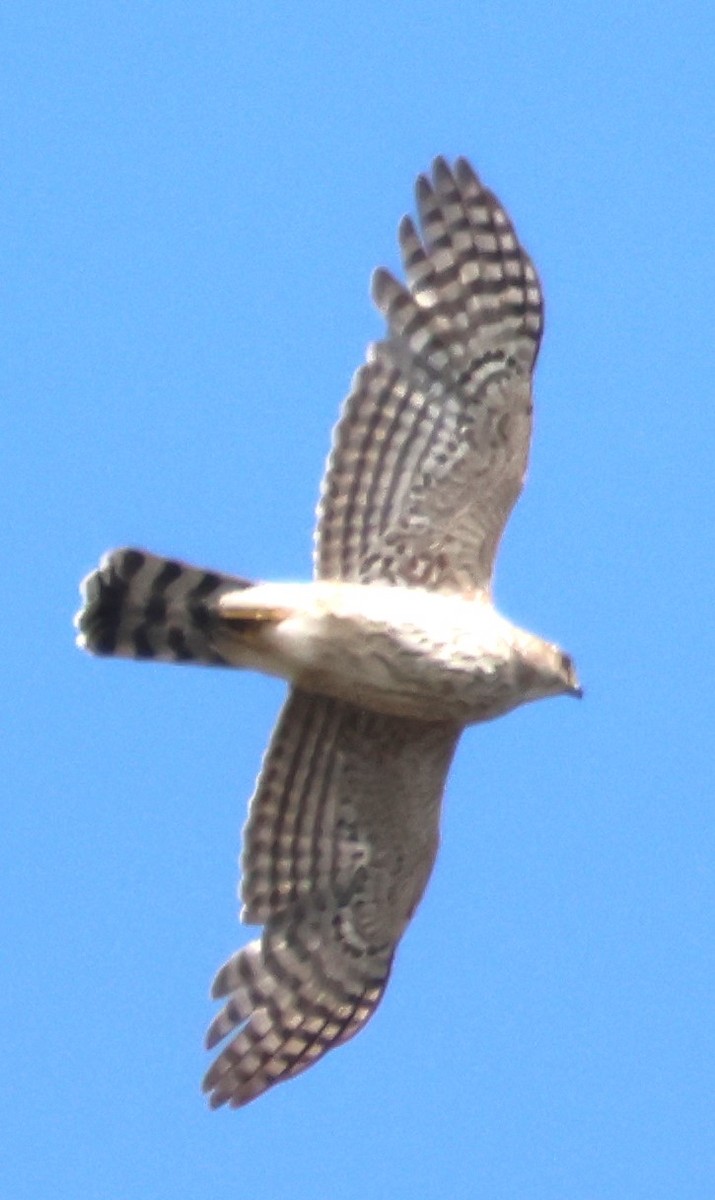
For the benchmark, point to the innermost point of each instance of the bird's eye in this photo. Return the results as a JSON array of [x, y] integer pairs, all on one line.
[[567, 664]]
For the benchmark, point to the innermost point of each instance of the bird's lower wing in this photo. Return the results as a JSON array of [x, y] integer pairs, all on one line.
[[340, 841]]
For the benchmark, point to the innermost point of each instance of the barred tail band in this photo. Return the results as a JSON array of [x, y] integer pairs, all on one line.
[[140, 605]]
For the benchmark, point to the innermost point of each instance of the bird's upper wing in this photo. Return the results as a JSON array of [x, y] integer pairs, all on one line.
[[431, 449], [340, 841]]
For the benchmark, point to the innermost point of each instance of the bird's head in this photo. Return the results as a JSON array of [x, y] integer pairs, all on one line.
[[547, 670]]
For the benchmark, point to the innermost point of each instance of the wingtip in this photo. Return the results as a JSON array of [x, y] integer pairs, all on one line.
[[406, 230], [383, 286], [441, 170], [465, 174]]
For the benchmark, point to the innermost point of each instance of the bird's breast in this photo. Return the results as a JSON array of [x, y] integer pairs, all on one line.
[[402, 651]]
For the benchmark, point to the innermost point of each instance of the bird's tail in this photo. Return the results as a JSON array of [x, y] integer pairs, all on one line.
[[140, 605]]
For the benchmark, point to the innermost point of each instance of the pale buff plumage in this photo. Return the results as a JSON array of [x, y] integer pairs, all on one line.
[[405, 652]]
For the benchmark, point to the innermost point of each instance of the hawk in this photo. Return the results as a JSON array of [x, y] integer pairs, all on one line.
[[390, 652]]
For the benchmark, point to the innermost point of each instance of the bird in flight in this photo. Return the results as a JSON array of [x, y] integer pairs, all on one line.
[[391, 650]]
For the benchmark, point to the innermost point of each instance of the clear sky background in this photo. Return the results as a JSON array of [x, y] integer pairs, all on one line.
[[194, 196]]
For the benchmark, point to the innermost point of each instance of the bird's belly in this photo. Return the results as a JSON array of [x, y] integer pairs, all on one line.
[[404, 669]]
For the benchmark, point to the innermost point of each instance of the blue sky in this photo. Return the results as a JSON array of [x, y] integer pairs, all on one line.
[[194, 198]]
